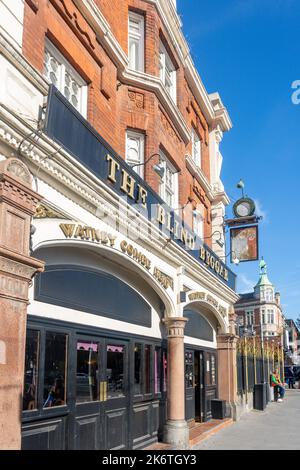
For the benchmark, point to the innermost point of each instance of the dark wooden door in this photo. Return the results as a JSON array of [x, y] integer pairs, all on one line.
[[189, 385], [100, 418], [210, 382], [115, 389], [199, 387], [86, 430]]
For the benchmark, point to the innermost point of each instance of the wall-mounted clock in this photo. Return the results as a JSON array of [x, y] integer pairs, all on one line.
[[244, 207]]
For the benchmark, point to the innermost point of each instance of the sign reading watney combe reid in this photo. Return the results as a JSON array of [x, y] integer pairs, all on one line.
[[66, 126]]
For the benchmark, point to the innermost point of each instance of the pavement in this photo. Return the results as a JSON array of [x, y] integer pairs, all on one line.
[[276, 428]]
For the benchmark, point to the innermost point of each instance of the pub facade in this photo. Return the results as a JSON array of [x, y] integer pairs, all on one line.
[[129, 316]]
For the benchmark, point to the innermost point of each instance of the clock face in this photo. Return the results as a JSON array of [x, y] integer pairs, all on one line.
[[244, 207]]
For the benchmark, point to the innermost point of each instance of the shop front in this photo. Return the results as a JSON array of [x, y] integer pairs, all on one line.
[[123, 324], [89, 384]]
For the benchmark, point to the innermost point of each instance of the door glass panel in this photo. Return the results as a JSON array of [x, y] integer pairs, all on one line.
[[31, 370], [165, 371], [55, 370], [157, 369], [189, 370], [137, 369], [147, 368], [115, 370], [87, 377], [213, 369]]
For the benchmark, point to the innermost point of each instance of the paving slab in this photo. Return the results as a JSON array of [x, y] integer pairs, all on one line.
[[276, 428]]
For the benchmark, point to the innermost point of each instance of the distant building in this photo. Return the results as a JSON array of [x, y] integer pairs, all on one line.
[[261, 309]]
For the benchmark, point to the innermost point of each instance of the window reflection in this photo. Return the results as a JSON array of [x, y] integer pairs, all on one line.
[[31, 370], [189, 370], [137, 369], [165, 371], [87, 372], [55, 370], [115, 370], [147, 368], [157, 369]]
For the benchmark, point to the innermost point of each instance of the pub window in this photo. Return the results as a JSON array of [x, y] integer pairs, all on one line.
[[135, 144], [157, 369], [167, 71], [31, 370], [136, 42], [169, 183], [61, 74], [87, 373], [189, 370], [147, 369], [115, 370], [55, 370], [137, 369]]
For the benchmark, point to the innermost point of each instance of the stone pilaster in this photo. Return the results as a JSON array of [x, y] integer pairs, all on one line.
[[227, 367], [176, 430], [17, 205]]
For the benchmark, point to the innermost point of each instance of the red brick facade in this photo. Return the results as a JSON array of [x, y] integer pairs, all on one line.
[[114, 107]]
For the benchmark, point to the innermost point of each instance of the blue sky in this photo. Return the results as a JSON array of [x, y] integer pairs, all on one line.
[[249, 51]]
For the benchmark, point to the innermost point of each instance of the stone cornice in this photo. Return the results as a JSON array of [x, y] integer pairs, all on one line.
[[213, 196], [154, 84], [69, 177]]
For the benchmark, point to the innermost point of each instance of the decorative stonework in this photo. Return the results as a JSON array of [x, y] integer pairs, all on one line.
[[168, 127], [136, 98], [19, 170], [43, 212], [175, 326], [66, 7]]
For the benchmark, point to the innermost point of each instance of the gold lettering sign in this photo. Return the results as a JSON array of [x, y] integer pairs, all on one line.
[[209, 299], [213, 263], [135, 254], [165, 280], [88, 233]]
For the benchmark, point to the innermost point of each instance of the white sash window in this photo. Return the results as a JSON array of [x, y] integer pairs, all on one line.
[[169, 183], [167, 72], [136, 44], [196, 148], [135, 148]]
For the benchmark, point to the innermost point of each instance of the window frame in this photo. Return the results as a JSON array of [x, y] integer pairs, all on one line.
[[65, 66], [139, 38], [163, 188], [197, 158], [197, 217], [166, 64], [140, 170]]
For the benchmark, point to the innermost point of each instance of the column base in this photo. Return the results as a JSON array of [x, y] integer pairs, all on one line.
[[176, 433]]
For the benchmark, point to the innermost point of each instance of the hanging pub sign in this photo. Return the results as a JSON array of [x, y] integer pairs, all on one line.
[[244, 243]]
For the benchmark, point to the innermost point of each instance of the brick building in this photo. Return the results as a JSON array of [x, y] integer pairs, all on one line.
[[260, 312], [101, 102]]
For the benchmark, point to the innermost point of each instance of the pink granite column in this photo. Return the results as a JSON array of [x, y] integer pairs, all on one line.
[[17, 205], [176, 430], [227, 366]]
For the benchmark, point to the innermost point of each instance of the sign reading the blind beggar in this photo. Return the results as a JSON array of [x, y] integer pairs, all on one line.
[[70, 129]]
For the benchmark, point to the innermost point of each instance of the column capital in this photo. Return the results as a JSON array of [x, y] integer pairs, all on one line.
[[175, 326]]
